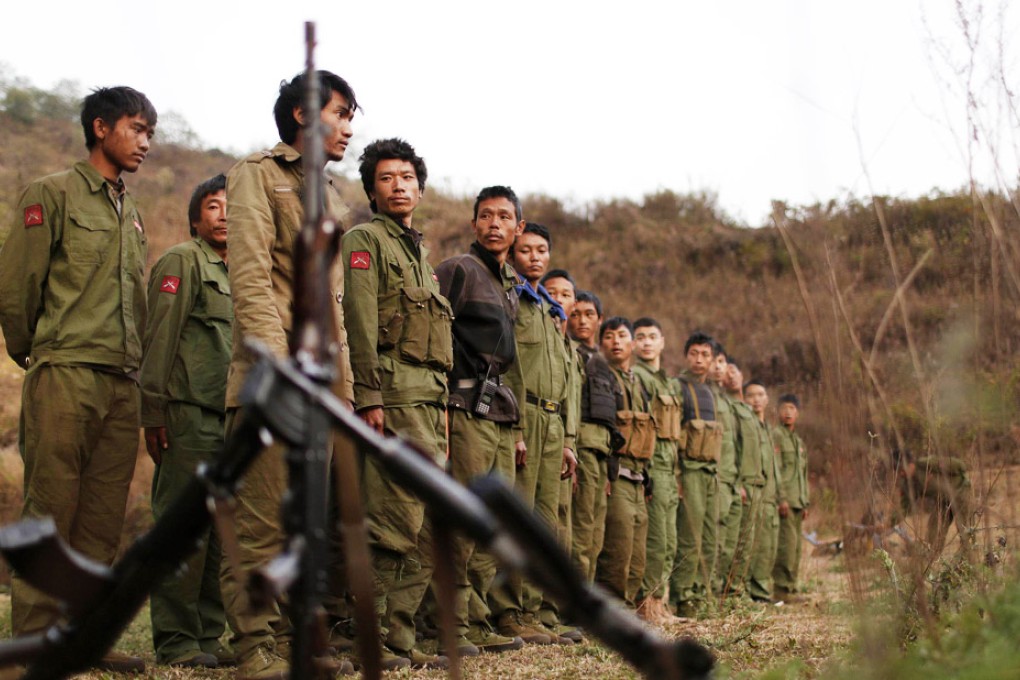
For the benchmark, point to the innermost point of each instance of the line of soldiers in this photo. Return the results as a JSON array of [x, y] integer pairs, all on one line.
[[665, 489]]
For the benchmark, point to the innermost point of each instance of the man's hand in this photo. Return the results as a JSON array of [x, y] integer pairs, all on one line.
[[521, 453], [784, 509], [156, 442], [569, 464], [743, 496], [373, 415]]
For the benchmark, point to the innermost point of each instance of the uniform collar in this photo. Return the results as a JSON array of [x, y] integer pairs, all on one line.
[[398, 230], [210, 254], [286, 152], [95, 180]]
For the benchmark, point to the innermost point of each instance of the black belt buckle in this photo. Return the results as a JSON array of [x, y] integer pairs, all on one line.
[[547, 405]]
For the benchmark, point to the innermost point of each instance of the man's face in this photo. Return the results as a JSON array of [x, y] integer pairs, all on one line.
[[618, 346], [126, 144], [648, 343], [212, 220], [562, 291], [496, 226], [336, 117], [757, 398], [788, 414], [734, 378], [583, 323], [699, 360], [531, 256], [396, 191], [718, 369]]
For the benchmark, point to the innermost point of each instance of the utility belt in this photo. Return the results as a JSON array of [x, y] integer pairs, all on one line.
[[489, 398], [631, 475], [547, 405]]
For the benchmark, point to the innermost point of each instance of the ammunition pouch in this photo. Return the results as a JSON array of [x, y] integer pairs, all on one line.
[[701, 440], [638, 429], [667, 414], [598, 398], [419, 329]]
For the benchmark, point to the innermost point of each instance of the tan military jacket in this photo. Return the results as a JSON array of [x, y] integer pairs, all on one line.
[[264, 192]]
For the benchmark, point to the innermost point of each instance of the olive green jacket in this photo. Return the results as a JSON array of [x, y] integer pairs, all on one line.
[[188, 336], [687, 463], [264, 192], [772, 491], [729, 458], [658, 384], [633, 400], [72, 274], [793, 464], [591, 436], [385, 272], [752, 459]]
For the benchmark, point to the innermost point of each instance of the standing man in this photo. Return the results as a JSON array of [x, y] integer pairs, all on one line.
[[184, 375], [266, 215], [486, 391], [649, 342], [730, 495], [548, 433], [763, 554], [793, 510], [72, 310], [398, 326]]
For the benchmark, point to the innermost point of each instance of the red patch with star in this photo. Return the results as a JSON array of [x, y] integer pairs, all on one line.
[[361, 260], [171, 284], [33, 215]]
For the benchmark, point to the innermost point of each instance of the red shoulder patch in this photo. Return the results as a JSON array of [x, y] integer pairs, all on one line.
[[171, 284], [361, 259], [33, 215]]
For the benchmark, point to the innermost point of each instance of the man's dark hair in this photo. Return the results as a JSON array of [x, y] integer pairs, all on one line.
[[210, 186], [385, 150], [699, 338], [755, 381], [732, 362], [646, 322], [590, 297], [110, 104], [540, 229], [790, 399], [292, 95], [614, 322], [559, 274], [499, 191], [718, 349]]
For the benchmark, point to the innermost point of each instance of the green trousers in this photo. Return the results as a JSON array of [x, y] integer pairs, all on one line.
[[78, 437], [187, 608], [747, 544], [763, 558], [477, 447], [401, 548], [784, 574], [696, 530], [731, 511], [661, 544], [588, 511], [621, 564]]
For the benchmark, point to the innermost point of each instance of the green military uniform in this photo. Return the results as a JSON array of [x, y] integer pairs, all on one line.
[[398, 326], [660, 547], [621, 564], [72, 309], [730, 504], [794, 482], [183, 376], [763, 554], [546, 366], [941, 486], [696, 525], [266, 214], [752, 479]]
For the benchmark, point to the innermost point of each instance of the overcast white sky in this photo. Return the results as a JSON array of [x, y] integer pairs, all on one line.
[[753, 100]]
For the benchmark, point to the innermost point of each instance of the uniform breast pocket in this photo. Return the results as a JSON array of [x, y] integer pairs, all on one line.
[[528, 330], [87, 237], [288, 213], [216, 301]]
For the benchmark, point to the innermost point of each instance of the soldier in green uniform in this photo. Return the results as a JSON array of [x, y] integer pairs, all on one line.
[[548, 434], [649, 343], [398, 327], [793, 509], [940, 485], [621, 564], [266, 214], [601, 398], [72, 310], [486, 391], [184, 376], [762, 555], [731, 494], [701, 443]]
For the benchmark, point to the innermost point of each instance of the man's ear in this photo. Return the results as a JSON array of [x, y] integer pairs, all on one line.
[[99, 128], [520, 228], [299, 115]]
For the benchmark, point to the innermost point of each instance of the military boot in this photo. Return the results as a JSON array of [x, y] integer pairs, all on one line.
[[487, 641], [263, 663], [511, 624]]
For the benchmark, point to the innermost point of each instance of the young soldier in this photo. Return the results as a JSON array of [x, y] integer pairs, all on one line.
[[730, 495], [266, 215], [762, 557], [601, 398], [486, 390], [548, 433], [399, 379], [793, 509], [649, 343], [621, 565], [72, 310], [184, 376], [744, 512], [699, 456]]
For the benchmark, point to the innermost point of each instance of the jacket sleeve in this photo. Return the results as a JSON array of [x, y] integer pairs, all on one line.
[[361, 317], [572, 408], [24, 267], [169, 307]]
